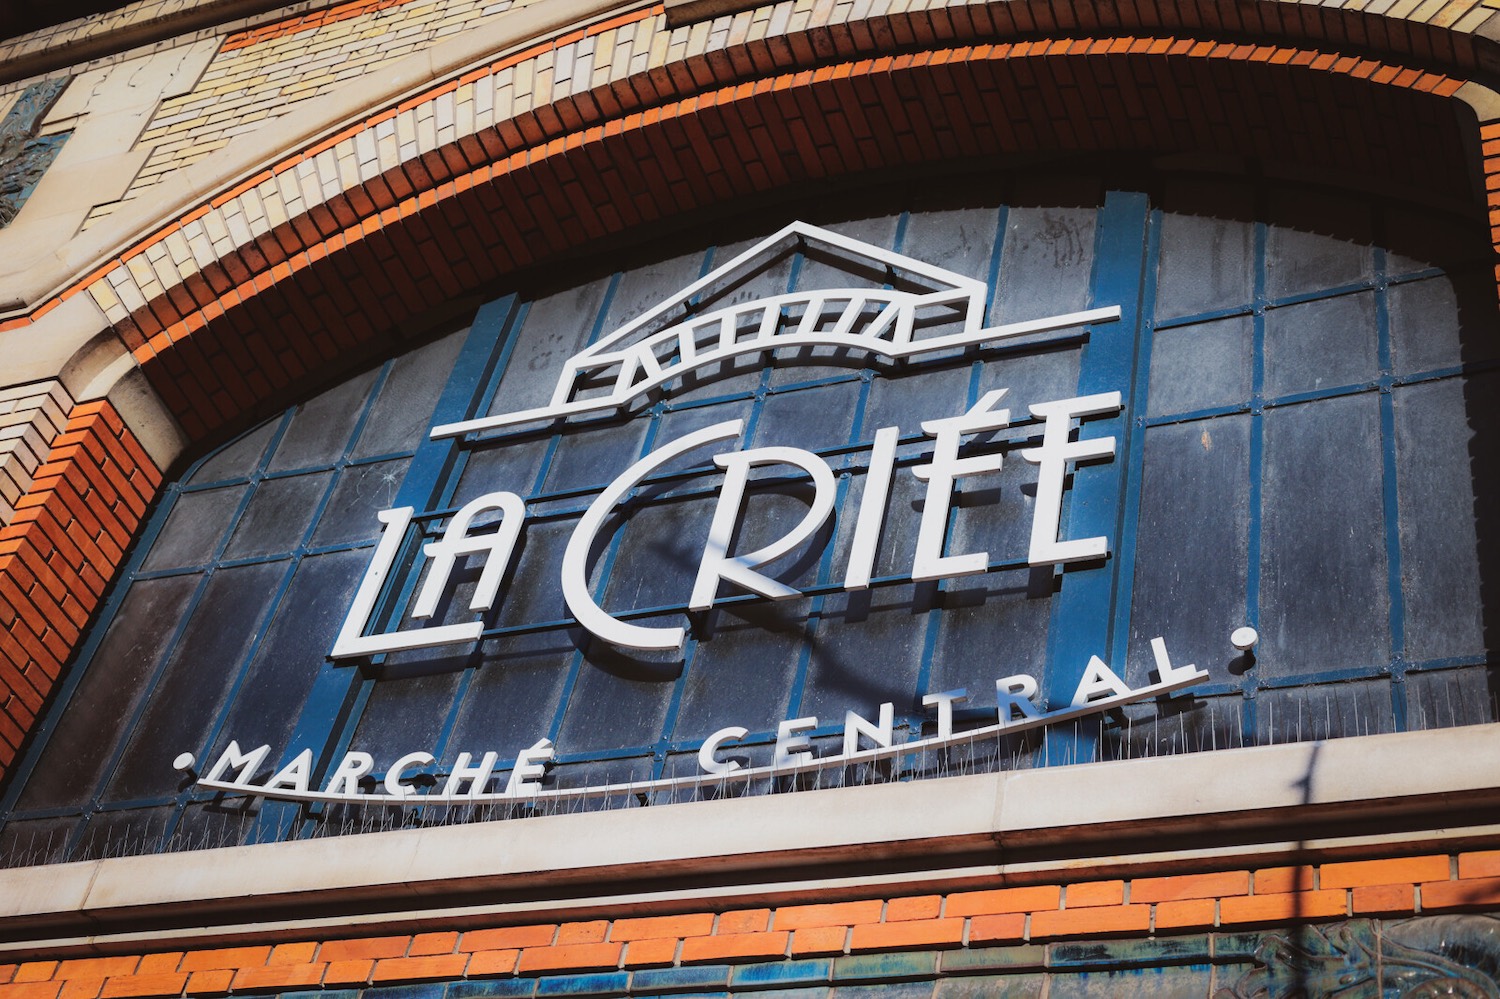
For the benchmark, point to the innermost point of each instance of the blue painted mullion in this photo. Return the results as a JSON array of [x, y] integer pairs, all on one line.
[[1390, 499], [1257, 462], [335, 702], [1084, 606]]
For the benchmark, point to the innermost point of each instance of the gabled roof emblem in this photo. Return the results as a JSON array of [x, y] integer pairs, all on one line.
[[676, 337]]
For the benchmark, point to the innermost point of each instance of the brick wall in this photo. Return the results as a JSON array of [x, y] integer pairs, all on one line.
[[66, 538], [1159, 905]]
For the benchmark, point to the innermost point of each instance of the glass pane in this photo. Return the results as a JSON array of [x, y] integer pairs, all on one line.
[[1316, 241], [402, 412], [1202, 366], [362, 492], [1321, 344], [107, 696], [1447, 439], [1190, 583], [1325, 597], [1207, 242], [195, 528], [238, 458], [320, 428], [278, 516], [203, 666]]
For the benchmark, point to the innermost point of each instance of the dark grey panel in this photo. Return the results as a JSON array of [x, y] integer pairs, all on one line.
[[278, 515], [1321, 345], [402, 412], [194, 529], [1202, 366], [320, 428]]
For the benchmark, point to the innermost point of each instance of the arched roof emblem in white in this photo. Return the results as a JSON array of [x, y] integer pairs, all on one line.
[[675, 337]]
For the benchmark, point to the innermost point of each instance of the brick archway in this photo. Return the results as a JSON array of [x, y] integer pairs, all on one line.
[[322, 256]]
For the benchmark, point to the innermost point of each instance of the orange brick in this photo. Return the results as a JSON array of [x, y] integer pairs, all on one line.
[[1376, 900], [81, 988], [1004, 927], [8, 972], [168, 984], [209, 982], [921, 907], [424, 944], [35, 971], [796, 917], [1280, 880], [492, 962], [1001, 900], [906, 935], [1400, 871], [815, 940], [1090, 921], [734, 945], [1088, 893], [154, 964], [571, 957], [349, 972], [743, 921], [654, 927], [30, 990], [282, 976], [97, 967], [1183, 914], [411, 969], [227, 957], [1481, 864], [1291, 905], [1182, 886], [655, 951], [580, 933], [293, 953], [1453, 894], [508, 938], [373, 949]]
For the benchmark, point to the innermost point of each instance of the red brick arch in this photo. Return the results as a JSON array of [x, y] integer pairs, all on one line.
[[338, 282]]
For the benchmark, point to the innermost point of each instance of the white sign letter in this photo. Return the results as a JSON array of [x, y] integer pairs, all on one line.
[[944, 702], [717, 563], [398, 770], [1098, 681], [1013, 695], [706, 758], [531, 766], [1054, 454], [940, 473], [881, 734], [575, 575], [791, 746]]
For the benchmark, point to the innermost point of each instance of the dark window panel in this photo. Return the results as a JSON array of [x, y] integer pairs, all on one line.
[[320, 428], [555, 328], [123, 834], [866, 651], [361, 493], [961, 240], [1447, 437], [1321, 344], [194, 528], [288, 660], [1201, 366], [1045, 263], [1315, 241], [512, 698], [402, 413], [1029, 380], [511, 467], [661, 546], [1181, 723], [95, 717], [594, 455], [1441, 322], [992, 626], [1207, 246], [408, 706], [532, 591], [191, 692], [907, 401], [34, 842], [742, 668], [644, 287], [278, 516], [1324, 597], [239, 458], [1191, 547], [809, 419], [621, 696]]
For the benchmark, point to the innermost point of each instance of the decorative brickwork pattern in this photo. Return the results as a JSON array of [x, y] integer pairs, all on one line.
[[962, 922], [325, 252], [67, 535], [31, 417]]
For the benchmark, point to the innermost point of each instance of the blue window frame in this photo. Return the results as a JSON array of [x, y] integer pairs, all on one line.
[[1302, 383]]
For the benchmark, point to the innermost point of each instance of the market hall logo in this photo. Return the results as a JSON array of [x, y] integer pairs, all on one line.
[[674, 339], [919, 310]]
